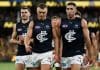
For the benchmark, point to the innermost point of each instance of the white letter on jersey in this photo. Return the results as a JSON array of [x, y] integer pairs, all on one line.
[[41, 36], [69, 36], [24, 34]]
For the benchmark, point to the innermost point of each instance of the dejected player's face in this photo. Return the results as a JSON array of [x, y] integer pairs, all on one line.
[[25, 14], [56, 20], [42, 12], [70, 10]]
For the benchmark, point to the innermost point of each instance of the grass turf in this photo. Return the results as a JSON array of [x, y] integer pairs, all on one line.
[[7, 66], [11, 66]]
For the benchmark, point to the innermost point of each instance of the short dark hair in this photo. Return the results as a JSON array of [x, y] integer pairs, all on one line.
[[53, 17], [42, 5], [72, 3], [26, 7]]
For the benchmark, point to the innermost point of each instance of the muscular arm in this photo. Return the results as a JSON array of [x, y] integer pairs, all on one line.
[[95, 45], [14, 36], [56, 35], [28, 39], [94, 39], [98, 39], [60, 39], [87, 38]]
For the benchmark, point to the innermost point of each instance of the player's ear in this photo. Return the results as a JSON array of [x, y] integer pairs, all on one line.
[[76, 10], [29, 13]]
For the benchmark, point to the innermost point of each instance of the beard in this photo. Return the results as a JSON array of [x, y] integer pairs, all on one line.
[[24, 18], [70, 16]]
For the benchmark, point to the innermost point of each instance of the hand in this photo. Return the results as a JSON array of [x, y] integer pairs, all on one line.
[[91, 60], [21, 40], [28, 49], [85, 60], [20, 37], [56, 58]]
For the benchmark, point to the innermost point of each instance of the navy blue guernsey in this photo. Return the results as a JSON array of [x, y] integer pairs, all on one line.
[[42, 34], [21, 30], [72, 37]]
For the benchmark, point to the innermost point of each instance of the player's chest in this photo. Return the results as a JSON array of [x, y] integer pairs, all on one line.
[[71, 25]]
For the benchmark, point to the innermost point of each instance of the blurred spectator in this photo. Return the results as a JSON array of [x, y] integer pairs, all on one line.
[[17, 1]]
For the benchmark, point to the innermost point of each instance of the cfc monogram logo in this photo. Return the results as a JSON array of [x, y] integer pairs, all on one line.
[[69, 36], [41, 36]]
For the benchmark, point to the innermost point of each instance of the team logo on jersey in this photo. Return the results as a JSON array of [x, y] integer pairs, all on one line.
[[41, 36], [47, 26], [70, 36], [37, 27], [19, 29], [24, 34], [64, 26], [76, 26]]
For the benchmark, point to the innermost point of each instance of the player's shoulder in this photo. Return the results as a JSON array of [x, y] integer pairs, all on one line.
[[78, 18], [14, 26], [18, 23], [62, 19], [48, 19], [31, 24], [84, 22]]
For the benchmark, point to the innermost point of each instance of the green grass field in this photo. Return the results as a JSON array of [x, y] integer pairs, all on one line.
[[7, 66], [11, 66]]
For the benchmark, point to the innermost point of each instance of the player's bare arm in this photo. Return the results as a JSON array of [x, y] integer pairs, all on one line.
[[55, 38], [60, 38], [98, 39], [87, 38], [14, 36], [94, 41], [95, 46], [28, 39]]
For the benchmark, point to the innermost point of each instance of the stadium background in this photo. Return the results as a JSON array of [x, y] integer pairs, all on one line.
[[9, 15]]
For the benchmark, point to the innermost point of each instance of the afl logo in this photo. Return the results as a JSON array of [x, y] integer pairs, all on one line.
[[70, 36]]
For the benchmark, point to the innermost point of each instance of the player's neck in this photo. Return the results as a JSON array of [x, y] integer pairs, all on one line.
[[43, 18], [72, 17], [25, 21]]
